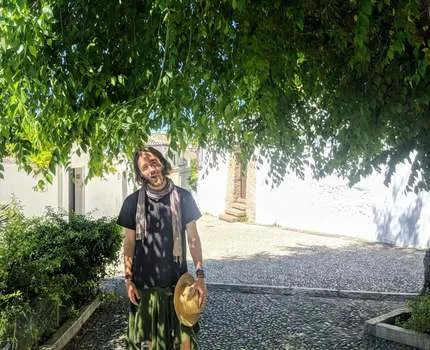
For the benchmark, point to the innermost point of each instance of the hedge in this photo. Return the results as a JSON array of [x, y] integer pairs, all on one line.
[[50, 266]]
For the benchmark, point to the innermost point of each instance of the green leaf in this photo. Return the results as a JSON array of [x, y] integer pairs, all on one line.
[[47, 10], [33, 50], [20, 49], [287, 79]]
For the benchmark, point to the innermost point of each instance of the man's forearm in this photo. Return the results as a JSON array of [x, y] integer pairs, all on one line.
[[194, 245], [129, 245], [196, 252]]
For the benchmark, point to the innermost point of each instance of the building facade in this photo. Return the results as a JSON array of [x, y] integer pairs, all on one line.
[[102, 196]]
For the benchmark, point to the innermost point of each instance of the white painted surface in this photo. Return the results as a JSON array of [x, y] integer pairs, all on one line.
[[328, 205], [103, 196], [100, 196], [368, 210], [17, 183], [212, 187]]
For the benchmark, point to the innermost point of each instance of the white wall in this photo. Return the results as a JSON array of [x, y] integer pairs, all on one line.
[[368, 210], [103, 196], [403, 217], [212, 187], [19, 184]]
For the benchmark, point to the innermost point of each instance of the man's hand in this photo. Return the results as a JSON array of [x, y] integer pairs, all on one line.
[[200, 285], [132, 292]]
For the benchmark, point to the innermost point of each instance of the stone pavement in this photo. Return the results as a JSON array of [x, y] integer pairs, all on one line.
[[249, 254], [237, 321], [252, 254]]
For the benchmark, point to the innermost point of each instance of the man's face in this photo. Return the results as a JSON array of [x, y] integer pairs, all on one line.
[[151, 169]]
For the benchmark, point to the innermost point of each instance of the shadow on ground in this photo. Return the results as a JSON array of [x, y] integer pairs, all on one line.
[[357, 267], [236, 320]]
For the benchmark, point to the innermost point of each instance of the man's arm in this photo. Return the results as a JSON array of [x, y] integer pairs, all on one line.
[[195, 247], [129, 245], [194, 244]]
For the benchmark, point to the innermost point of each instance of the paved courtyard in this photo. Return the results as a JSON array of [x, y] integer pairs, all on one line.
[[269, 256]]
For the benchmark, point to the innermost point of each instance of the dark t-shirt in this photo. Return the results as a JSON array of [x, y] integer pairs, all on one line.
[[153, 264]]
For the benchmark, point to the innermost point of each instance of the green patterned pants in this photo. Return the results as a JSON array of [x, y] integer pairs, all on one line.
[[154, 320]]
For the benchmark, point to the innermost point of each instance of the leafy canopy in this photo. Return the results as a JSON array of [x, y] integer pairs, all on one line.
[[344, 83]]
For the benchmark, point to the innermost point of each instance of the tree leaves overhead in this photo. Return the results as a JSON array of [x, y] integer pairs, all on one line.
[[345, 82]]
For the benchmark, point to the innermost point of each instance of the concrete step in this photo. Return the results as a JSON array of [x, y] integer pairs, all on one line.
[[231, 218], [228, 218], [239, 206], [241, 200], [236, 212]]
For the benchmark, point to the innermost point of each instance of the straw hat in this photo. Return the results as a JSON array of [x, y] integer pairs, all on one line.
[[186, 301]]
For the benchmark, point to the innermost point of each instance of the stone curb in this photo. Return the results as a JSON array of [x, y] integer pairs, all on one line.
[[383, 327], [68, 330], [310, 292], [117, 285]]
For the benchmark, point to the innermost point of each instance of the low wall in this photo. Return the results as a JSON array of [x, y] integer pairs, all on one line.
[[368, 210]]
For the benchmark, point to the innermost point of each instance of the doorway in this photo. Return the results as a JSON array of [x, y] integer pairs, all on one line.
[[76, 191]]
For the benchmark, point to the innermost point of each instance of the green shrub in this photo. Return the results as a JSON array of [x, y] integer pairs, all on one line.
[[420, 314], [3, 216], [49, 267]]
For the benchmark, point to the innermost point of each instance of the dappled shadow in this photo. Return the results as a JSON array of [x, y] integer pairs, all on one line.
[[398, 219], [374, 267], [236, 320], [368, 267], [106, 329], [243, 321], [399, 227]]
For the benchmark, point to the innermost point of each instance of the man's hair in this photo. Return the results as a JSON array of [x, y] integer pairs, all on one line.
[[166, 167]]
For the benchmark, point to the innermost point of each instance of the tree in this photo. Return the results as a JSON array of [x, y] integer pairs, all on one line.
[[342, 82]]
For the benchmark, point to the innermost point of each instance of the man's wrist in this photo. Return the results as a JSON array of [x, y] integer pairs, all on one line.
[[200, 273], [128, 278]]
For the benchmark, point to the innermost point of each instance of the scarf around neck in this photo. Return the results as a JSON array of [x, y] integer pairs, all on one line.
[[175, 209]]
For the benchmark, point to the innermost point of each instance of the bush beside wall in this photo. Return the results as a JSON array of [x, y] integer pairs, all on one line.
[[50, 266]]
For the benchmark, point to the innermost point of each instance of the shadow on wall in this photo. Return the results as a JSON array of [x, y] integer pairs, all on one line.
[[397, 222]]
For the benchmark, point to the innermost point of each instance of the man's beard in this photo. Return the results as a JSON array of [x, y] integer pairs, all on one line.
[[155, 181]]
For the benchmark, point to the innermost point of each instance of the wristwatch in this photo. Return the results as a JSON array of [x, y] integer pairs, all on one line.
[[200, 273], [128, 279]]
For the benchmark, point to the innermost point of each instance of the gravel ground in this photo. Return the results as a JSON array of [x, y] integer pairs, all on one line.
[[266, 255], [354, 268], [250, 254], [236, 321]]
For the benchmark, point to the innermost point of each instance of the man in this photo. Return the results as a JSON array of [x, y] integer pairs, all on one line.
[[155, 219]]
